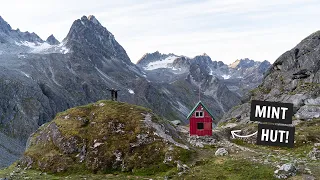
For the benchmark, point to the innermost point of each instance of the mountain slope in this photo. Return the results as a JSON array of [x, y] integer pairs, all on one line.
[[39, 80], [188, 76], [294, 78]]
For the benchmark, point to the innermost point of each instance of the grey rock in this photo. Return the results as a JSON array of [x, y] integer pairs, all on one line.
[[26, 161], [308, 112], [314, 154], [221, 152], [176, 122], [312, 101], [285, 171], [182, 168], [200, 141]]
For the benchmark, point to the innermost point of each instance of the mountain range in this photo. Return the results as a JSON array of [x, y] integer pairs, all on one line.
[[40, 78], [239, 77]]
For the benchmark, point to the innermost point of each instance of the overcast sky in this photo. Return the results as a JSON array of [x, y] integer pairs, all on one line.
[[224, 29]]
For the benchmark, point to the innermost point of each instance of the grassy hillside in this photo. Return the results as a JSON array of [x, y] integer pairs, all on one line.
[[106, 128], [104, 137]]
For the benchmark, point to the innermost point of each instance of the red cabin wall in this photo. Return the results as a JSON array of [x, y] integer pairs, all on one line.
[[207, 120]]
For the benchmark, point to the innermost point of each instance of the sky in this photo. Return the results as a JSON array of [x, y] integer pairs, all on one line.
[[226, 30]]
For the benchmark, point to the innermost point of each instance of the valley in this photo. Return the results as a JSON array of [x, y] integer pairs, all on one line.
[[57, 120]]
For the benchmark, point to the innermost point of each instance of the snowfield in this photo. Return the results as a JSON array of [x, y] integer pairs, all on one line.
[[164, 63], [44, 48], [225, 76]]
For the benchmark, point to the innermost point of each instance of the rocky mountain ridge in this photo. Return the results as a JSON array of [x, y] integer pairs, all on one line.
[[240, 76], [293, 78], [38, 80]]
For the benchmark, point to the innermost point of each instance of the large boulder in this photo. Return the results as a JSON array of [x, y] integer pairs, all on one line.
[[285, 171]]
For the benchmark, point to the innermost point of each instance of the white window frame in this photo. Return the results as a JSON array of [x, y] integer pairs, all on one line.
[[199, 114]]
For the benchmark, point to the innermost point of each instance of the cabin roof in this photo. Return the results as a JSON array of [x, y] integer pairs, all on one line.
[[195, 107]]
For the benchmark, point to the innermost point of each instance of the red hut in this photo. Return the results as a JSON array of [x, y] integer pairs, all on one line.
[[200, 120]]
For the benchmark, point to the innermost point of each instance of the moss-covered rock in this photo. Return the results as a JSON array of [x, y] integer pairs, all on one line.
[[102, 137]]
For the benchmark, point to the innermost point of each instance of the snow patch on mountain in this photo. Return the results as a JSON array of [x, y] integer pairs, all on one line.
[[164, 63], [20, 56], [211, 72], [43, 48], [27, 75], [131, 91], [226, 76]]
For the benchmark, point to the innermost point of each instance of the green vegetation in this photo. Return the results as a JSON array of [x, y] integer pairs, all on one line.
[[240, 142], [259, 89], [226, 168], [235, 107], [307, 133], [220, 124], [305, 87], [208, 168], [117, 125], [38, 175], [104, 129]]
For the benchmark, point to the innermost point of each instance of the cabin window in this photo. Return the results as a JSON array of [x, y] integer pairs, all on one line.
[[199, 114], [200, 126]]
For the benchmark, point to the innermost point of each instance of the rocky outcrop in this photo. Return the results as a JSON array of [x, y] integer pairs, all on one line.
[[102, 137], [293, 78], [285, 171]]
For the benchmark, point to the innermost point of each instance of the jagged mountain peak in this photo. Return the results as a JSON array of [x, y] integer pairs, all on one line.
[[242, 63], [90, 23], [15, 41], [52, 40], [304, 56], [156, 53], [93, 19], [204, 58], [234, 64], [88, 33], [156, 60], [90, 20], [4, 26]]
